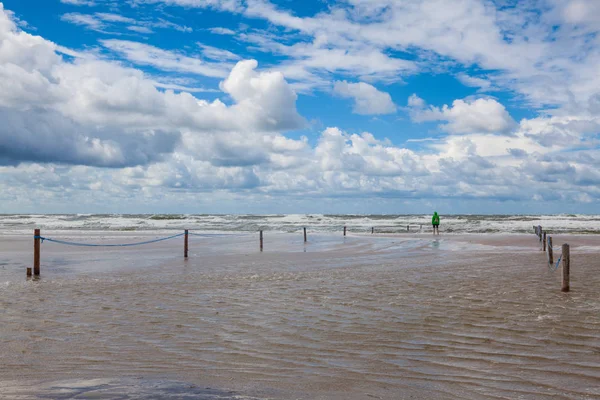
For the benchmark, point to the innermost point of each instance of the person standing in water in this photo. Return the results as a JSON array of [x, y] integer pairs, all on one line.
[[435, 221]]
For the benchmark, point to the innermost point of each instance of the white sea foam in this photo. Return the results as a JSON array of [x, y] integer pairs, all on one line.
[[24, 223]]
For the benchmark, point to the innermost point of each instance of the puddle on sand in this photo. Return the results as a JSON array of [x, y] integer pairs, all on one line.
[[130, 389]]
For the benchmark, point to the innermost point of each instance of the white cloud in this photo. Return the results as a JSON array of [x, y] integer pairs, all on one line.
[[140, 29], [465, 116], [87, 20], [110, 17], [579, 11], [307, 61], [79, 2], [368, 100], [474, 81], [217, 54], [144, 54], [100, 21], [415, 101], [76, 118], [161, 23], [520, 43], [98, 113], [172, 85], [224, 5], [266, 96], [221, 31]]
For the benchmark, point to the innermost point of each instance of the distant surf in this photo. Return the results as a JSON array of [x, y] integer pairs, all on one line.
[[11, 224]]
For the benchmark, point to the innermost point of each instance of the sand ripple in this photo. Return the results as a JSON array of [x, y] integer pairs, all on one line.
[[354, 320]]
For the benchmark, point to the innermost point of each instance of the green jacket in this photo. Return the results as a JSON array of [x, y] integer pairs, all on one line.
[[435, 220]]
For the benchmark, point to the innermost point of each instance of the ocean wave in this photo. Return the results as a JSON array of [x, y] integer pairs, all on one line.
[[162, 217], [356, 223]]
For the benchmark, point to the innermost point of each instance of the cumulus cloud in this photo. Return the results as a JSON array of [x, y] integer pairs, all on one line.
[[266, 96], [47, 136], [561, 131], [80, 123], [93, 112], [362, 38], [465, 116], [367, 99]]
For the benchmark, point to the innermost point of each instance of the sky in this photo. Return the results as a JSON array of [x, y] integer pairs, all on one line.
[[313, 106]]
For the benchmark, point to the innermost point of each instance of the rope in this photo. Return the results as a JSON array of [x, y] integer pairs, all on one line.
[[557, 262], [550, 247], [218, 234], [105, 245], [559, 257]]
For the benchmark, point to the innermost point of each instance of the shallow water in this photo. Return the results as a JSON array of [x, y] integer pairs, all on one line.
[[359, 317]]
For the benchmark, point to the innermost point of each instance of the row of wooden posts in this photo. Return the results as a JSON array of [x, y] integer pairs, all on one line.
[[542, 235], [37, 246], [566, 256]]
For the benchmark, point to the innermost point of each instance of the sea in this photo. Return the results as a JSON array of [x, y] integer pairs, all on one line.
[[11, 224]]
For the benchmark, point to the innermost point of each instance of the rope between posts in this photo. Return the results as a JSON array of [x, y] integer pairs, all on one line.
[[559, 257], [557, 262], [104, 245], [218, 234]]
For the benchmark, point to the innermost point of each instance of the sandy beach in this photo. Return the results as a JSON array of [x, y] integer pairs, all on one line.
[[366, 316]]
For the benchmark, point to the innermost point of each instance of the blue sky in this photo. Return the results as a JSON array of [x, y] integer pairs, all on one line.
[[348, 106]]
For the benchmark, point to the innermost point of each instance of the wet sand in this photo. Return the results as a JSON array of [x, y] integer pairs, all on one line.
[[366, 316]]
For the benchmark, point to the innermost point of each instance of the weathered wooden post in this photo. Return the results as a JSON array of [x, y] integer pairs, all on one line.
[[344, 231], [185, 244], [372, 230], [540, 232], [566, 260], [544, 242], [261, 240], [407, 228], [305, 235], [36, 252], [550, 252], [29, 272]]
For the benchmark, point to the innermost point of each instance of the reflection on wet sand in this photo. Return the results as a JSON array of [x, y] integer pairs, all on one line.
[[349, 318], [127, 388]]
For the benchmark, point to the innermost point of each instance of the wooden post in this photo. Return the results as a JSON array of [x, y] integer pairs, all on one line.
[[36, 252], [550, 252], [305, 236], [185, 244], [566, 267], [372, 230], [261, 240], [29, 272], [407, 228], [544, 242], [344, 231], [540, 232]]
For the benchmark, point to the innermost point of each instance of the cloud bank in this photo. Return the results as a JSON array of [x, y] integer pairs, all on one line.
[[81, 122]]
